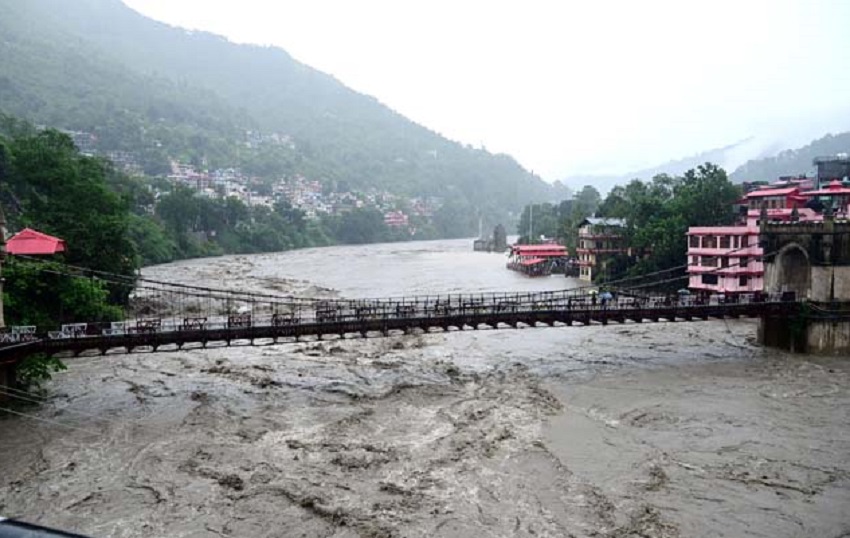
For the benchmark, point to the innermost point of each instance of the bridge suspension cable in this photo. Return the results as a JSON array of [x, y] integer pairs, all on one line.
[[177, 293], [712, 271]]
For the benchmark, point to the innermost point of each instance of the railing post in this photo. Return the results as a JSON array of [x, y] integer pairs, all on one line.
[[7, 372]]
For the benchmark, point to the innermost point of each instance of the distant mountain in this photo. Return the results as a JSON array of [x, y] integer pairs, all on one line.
[[160, 91], [792, 162], [748, 160], [728, 157]]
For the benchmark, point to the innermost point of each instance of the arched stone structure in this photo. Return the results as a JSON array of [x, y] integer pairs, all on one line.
[[794, 272], [811, 259]]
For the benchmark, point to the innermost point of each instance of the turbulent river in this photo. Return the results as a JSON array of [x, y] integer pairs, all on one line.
[[636, 430]]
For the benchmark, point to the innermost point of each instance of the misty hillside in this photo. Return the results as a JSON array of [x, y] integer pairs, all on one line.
[[726, 156], [143, 86], [792, 162], [771, 163]]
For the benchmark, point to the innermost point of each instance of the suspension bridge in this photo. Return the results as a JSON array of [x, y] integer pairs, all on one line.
[[806, 306], [164, 316]]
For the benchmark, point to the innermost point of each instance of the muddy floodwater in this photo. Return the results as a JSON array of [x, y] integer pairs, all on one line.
[[636, 430]]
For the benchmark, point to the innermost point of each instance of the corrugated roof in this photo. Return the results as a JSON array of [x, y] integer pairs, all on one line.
[[539, 250], [531, 261], [835, 188], [772, 192], [29, 241]]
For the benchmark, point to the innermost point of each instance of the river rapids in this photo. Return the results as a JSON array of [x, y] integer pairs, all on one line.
[[635, 430]]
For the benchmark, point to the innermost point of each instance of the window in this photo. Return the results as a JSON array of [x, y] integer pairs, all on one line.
[[724, 241], [724, 262], [709, 242], [694, 260], [743, 262], [709, 279], [743, 281], [694, 241], [709, 261]]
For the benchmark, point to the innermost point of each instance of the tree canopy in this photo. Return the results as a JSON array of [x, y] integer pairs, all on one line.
[[657, 214]]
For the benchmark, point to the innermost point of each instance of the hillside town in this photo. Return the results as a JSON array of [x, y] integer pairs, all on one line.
[[300, 192]]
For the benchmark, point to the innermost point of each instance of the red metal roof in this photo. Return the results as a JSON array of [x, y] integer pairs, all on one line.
[[29, 241], [532, 261], [835, 188], [772, 192], [539, 250]]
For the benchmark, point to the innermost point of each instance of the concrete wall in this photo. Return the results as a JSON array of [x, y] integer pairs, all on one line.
[[828, 337], [773, 332]]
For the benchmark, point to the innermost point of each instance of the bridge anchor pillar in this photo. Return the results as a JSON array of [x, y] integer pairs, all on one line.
[[7, 378]]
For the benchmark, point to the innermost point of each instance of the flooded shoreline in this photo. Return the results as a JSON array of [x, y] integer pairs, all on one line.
[[659, 430]]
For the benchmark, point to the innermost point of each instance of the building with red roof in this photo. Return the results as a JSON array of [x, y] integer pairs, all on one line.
[[776, 198], [34, 243], [536, 260]]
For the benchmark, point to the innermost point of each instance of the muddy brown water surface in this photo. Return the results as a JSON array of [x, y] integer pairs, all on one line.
[[653, 430]]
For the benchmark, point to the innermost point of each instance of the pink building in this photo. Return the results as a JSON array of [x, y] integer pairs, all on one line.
[[396, 219], [725, 259]]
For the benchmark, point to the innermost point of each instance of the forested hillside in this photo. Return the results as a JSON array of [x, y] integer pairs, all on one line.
[[792, 162], [162, 92]]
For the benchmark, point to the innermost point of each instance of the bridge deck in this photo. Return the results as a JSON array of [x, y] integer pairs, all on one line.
[[381, 318]]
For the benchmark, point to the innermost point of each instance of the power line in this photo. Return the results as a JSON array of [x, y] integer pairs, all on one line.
[[55, 423]]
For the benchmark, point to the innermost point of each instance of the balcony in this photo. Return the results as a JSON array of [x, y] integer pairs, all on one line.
[[750, 251], [600, 250]]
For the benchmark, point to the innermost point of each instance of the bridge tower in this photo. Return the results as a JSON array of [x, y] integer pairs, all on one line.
[[811, 259]]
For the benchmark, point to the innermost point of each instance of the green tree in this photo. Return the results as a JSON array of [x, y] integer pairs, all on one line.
[[60, 192], [539, 220], [658, 214], [40, 294], [360, 226]]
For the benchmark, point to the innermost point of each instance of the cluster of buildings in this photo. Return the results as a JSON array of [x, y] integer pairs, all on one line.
[[307, 195], [86, 143], [302, 193], [727, 259], [256, 139]]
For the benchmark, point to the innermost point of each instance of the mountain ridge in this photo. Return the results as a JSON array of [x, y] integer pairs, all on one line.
[[134, 82], [767, 163]]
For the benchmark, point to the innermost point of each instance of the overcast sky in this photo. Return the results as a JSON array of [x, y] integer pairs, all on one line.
[[568, 87]]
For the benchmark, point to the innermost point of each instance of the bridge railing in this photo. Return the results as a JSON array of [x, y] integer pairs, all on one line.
[[363, 311]]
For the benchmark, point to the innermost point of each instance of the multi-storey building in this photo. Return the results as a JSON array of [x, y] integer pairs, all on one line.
[[727, 259], [599, 240]]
